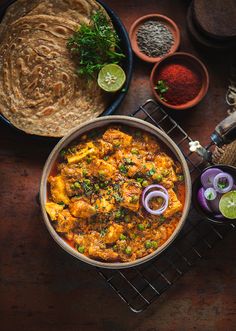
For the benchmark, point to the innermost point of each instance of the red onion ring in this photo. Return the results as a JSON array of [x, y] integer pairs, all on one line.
[[220, 176], [160, 187], [156, 194]]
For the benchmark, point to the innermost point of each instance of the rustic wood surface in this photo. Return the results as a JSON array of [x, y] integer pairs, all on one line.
[[43, 288]]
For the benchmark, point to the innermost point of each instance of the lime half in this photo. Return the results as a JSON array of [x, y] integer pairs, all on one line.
[[111, 78], [227, 205]]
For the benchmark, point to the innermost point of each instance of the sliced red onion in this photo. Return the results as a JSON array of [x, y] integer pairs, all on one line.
[[227, 179], [208, 176], [214, 204], [156, 194], [159, 187], [202, 201], [210, 194]]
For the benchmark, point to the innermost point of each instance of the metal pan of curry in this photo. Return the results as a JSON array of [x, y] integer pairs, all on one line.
[[92, 188]]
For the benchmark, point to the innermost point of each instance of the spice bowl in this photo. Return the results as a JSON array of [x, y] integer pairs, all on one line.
[[179, 81], [167, 37]]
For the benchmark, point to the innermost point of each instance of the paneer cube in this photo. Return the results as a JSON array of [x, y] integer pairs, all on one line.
[[105, 255], [163, 161], [103, 169], [117, 138], [131, 192], [113, 233], [174, 205], [53, 210], [58, 189], [89, 149], [81, 209], [104, 205], [104, 147]]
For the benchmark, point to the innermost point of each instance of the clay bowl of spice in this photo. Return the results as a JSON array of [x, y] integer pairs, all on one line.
[[154, 36], [179, 81]]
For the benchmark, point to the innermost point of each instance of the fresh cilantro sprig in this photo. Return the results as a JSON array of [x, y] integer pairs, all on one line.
[[95, 45], [161, 88]]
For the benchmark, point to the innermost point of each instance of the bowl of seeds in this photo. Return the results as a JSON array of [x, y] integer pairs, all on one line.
[[154, 36]]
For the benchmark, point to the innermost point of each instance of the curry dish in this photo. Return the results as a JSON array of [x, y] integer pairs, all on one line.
[[95, 194]]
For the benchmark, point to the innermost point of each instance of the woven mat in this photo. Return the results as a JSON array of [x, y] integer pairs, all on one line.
[[225, 154]]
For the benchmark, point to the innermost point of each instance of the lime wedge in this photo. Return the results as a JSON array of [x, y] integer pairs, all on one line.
[[227, 205], [111, 78]]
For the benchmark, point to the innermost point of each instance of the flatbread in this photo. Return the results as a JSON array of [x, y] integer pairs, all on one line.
[[76, 10], [40, 92]]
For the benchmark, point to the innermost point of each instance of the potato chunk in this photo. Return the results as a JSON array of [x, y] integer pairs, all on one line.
[[81, 209], [53, 209], [58, 189], [174, 205], [65, 221], [113, 233], [117, 138], [131, 192]]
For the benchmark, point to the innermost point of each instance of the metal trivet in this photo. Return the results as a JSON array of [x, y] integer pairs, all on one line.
[[140, 286]]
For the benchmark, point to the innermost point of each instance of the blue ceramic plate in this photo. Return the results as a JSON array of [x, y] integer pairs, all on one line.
[[127, 62]]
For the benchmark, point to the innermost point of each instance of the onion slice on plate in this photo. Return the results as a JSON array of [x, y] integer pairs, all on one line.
[[156, 194], [223, 182], [208, 176], [202, 200], [210, 194]]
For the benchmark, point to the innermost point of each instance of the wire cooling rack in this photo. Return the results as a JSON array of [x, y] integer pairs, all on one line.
[[140, 286]]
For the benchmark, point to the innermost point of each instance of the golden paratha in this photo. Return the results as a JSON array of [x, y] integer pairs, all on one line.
[[76, 10], [40, 92]]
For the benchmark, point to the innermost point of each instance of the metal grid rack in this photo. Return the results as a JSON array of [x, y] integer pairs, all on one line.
[[140, 286]]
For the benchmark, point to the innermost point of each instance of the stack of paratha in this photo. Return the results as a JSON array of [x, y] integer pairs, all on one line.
[[40, 93]]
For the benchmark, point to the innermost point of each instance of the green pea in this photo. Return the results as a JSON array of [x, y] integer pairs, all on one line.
[[84, 172], [154, 244], [145, 183], [141, 227], [158, 178], [77, 185], [148, 244], [128, 250], [81, 249], [180, 178], [140, 180], [96, 188], [134, 151], [122, 237]]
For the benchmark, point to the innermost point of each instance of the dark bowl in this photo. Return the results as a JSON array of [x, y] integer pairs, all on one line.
[[197, 185], [127, 65]]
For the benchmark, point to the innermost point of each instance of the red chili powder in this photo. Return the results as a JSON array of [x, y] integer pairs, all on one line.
[[183, 83]]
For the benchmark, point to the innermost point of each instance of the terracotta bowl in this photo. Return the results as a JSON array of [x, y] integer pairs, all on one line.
[[160, 18], [194, 63]]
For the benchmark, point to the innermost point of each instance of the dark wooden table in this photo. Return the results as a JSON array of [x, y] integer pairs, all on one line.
[[43, 288]]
